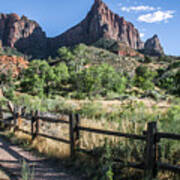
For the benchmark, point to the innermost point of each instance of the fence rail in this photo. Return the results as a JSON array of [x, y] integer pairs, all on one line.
[[151, 136]]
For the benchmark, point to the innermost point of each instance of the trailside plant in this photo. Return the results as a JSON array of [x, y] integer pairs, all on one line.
[[144, 78]]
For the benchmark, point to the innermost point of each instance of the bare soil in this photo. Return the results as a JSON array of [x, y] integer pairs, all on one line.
[[12, 156]]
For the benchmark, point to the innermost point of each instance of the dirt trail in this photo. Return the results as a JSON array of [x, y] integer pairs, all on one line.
[[11, 157]]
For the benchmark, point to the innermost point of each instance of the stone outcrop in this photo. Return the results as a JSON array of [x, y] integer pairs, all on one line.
[[13, 63], [153, 47], [117, 47], [100, 22], [21, 33]]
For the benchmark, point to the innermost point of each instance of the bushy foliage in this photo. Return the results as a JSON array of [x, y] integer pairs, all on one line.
[[144, 78], [7, 83], [73, 57], [169, 80], [147, 59], [99, 80], [10, 52], [41, 79]]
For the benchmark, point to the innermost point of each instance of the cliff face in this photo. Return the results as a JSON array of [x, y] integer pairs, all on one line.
[[100, 22], [22, 33]]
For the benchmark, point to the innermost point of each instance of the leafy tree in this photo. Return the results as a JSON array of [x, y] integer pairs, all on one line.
[[7, 84], [61, 75], [99, 80], [41, 79], [144, 78], [74, 58]]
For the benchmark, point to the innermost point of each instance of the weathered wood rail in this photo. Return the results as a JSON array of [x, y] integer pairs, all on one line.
[[151, 165]]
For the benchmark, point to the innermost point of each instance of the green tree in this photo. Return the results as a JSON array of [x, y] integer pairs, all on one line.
[[99, 80], [42, 79], [7, 83], [144, 78], [61, 75]]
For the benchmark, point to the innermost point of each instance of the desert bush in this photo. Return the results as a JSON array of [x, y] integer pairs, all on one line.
[[41, 79], [147, 59], [99, 80], [144, 78], [170, 81]]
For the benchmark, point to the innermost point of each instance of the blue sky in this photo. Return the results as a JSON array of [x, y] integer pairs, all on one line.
[[161, 17]]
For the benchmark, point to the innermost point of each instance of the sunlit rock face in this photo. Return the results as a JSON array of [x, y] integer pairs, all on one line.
[[100, 22], [21, 33]]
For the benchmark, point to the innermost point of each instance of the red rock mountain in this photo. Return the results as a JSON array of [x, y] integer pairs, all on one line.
[[27, 36], [21, 33], [153, 46], [100, 22]]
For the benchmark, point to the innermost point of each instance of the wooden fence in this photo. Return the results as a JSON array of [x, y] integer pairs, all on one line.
[[151, 137]]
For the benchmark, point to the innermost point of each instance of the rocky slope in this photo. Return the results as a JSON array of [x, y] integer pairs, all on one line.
[[13, 63], [117, 47]]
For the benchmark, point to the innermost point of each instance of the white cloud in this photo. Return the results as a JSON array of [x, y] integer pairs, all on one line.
[[157, 16], [138, 8], [142, 35]]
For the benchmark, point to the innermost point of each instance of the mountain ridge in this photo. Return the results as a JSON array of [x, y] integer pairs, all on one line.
[[28, 37]]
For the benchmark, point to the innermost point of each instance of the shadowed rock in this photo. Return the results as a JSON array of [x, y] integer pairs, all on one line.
[[153, 46]]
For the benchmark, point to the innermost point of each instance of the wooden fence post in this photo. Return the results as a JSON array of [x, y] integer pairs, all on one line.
[[77, 132], [32, 125], [74, 121], [37, 123], [15, 117], [72, 134], [19, 118], [150, 156], [1, 113], [1, 117]]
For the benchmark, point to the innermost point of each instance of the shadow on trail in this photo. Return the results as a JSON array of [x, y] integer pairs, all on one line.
[[40, 167]]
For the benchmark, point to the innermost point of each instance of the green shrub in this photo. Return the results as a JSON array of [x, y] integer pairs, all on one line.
[[41, 79], [98, 80], [147, 59], [144, 78]]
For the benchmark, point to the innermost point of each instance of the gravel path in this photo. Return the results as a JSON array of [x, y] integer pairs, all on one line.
[[11, 157]]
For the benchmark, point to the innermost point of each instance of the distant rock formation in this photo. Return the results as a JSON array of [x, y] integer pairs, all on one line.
[[28, 37], [153, 47], [100, 22], [21, 33]]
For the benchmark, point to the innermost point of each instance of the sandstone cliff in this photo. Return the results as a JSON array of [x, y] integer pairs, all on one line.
[[28, 37], [21, 33], [100, 22]]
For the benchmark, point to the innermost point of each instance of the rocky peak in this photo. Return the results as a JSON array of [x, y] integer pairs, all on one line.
[[21, 33], [96, 2], [100, 22], [153, 46]]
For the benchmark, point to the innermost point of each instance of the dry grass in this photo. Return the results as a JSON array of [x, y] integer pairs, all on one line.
[[3, 176]]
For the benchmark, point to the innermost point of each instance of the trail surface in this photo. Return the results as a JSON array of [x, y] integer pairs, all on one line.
[[12, 156]]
